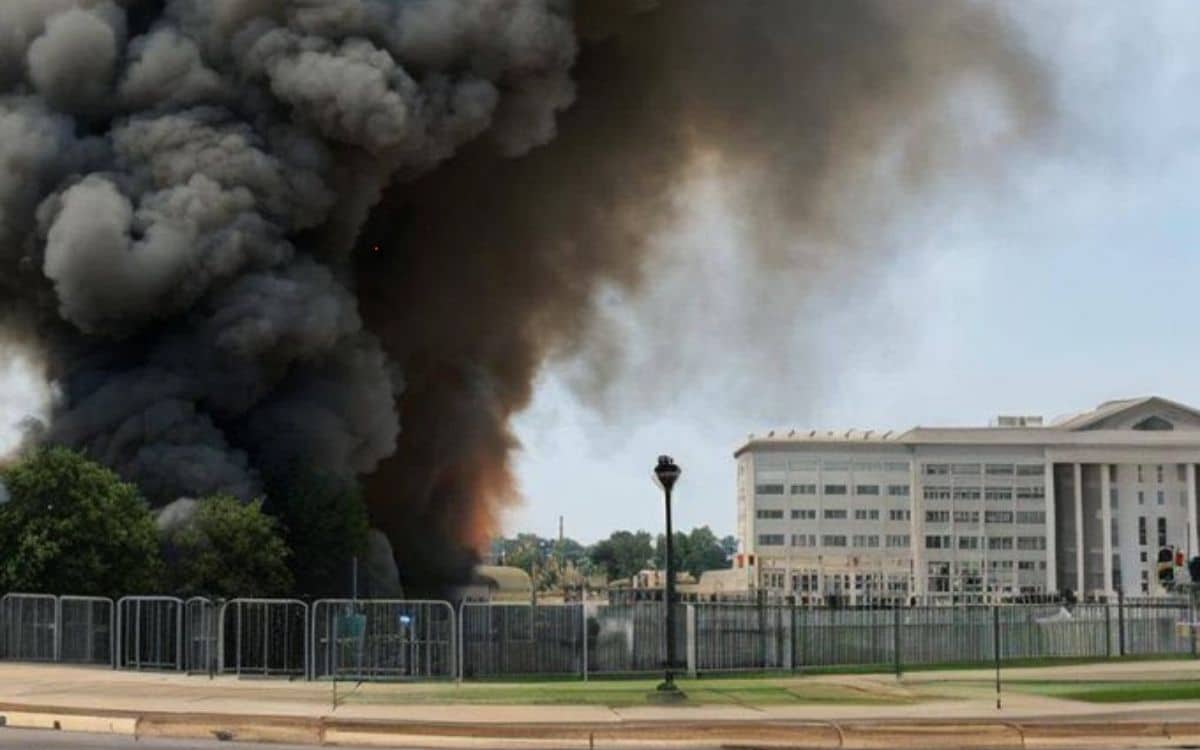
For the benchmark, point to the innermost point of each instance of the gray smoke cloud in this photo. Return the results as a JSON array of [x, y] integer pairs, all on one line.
[[244, 233]]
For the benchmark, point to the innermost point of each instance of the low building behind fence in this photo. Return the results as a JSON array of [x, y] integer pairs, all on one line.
[[372, 639]]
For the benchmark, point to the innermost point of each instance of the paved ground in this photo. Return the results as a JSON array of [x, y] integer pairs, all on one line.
[[48, 740], [919, 695]]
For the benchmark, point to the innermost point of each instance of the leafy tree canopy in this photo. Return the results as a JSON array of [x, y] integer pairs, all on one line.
[[228, 548], [623, 554], [71, 526]]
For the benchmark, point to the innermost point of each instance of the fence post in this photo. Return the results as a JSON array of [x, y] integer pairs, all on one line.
[[584, 617], [792, 633], [996, 643], [57, 628], [1107, 630], [1121, 622], [896, 638], [691, 639]]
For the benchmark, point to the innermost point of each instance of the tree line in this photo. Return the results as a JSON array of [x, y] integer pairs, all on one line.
[[622, 555]]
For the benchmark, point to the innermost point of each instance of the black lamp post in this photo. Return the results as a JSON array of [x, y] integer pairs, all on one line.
[[666, 473]]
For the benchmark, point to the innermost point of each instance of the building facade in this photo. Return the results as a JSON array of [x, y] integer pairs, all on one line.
[[1020, 508]]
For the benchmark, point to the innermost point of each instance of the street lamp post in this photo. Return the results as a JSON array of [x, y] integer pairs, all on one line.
[[666, 473]]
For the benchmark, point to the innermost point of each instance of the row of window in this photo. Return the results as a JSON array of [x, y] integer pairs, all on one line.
[[897, 514], [1034, 492], [871, 490], [992, 470], [902, 541], [1161, 528], [946, 541]]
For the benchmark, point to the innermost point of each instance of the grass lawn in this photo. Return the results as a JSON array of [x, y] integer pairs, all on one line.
[[1114, 692], [756, 692]]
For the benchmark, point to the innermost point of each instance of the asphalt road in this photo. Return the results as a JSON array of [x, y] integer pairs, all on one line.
[[45, 739]]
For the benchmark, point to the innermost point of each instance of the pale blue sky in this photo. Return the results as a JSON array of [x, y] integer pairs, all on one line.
[[1074, 284]]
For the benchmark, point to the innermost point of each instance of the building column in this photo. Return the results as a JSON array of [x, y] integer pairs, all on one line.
[[916, 525], [1193, 545], [1051, 533], [1106, 530], [1077, 475]]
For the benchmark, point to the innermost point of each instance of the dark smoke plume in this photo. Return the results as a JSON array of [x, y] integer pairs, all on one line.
[[242, 233]]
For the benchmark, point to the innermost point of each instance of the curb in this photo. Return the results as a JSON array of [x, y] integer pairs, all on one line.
[[860, 735]]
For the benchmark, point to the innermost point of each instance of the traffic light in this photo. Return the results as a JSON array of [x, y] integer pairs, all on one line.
[[1166, 566]]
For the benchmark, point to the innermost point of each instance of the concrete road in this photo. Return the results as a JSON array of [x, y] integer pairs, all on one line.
[[43, 739]]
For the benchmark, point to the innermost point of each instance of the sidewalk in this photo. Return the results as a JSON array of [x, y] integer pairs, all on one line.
[[936, 709]]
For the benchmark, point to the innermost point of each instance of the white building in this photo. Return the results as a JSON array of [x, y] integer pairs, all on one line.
[[963, 514]]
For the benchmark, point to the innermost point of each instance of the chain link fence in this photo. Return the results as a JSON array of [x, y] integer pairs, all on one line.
[[502, 639]]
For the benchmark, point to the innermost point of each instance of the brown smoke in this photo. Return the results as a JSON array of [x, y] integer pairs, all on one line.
[[827, 117]]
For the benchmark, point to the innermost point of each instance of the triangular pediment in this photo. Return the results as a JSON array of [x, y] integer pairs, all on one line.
[[1152, 414]]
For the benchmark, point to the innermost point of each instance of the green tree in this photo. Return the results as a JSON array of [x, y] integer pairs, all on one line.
[[623, 554], [227, 548], [324, 523], [71, 526], [693, 553]]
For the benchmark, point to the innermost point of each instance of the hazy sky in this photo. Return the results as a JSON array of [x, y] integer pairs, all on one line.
[[1073, 284]]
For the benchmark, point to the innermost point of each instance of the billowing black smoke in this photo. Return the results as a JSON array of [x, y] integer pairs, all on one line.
[[246, 233]]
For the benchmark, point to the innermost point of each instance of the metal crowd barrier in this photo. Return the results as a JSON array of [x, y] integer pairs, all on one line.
[[30, 623], [150, 633], [86, 630], [201, 626], [264, 637]]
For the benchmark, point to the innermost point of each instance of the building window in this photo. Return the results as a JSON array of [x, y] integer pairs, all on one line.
[[1112, 497], [1161, 497], [768, 489], [835, 514], [768, 515], [770, 540], [937, 493], [966, 516], [867, 489], [998, 516], [1030, 470], [897, 541], [804, 514], [866, 515], [836, 465], [1141, 478], [1142, 530], [999, 470], [966, 470], [936, 470], [937, 516], [804, 540], [1181, 472], [1144, 557], [802, 464], [1031, 542], [897, 490], [896, 466], [1141, 497], [1000, 542], [835, 489], [968, 542], [1031, 516], [998, 493], [899, 515], [1026, 565], [866, 540], [937, 542], [834, 540], [1162, 532], [804, 489], [966, 493], [1031, 493], [1159, 473]]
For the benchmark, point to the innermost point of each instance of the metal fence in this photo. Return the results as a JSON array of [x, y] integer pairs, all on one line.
[[374, 639], [264, 637], [371, 639], [502, 639], [86, 628], [30, 623], [150, 633], [201, 628]]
